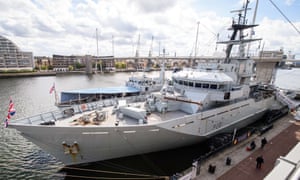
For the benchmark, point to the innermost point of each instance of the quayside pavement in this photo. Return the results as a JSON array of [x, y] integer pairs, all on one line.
[[281, 139]]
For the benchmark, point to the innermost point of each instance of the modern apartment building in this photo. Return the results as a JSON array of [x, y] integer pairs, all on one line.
[[62, 62], [12, 58]]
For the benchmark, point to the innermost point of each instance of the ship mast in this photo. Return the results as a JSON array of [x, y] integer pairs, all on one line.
[[196, 43], [162, 71], [238, 27], [97, 54], [97, 50], [138, 47], [113, 45], [151, 47]]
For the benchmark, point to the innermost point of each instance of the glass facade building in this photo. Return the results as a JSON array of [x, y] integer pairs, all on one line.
[[11, 57]]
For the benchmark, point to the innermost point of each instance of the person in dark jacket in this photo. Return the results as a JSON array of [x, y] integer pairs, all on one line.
[[259, 161], [263, 142]]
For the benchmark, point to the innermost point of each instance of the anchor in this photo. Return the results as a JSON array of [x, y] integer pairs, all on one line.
[[73, 149]]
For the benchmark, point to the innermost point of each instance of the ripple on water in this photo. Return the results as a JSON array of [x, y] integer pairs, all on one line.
[[20, 159]]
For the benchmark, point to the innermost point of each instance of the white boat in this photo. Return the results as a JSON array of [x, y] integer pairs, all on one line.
[[202, 102], [134, 86]]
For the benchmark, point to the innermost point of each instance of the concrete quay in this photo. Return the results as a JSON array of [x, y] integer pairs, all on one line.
[[27, 74], [281, 139]]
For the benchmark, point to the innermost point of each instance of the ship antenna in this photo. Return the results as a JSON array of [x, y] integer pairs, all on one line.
[[253, 22]]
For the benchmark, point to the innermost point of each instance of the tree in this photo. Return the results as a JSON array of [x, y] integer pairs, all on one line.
[[71, 68]]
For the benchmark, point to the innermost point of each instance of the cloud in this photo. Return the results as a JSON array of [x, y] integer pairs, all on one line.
[[68, 26], [13, 27], [120, 25], [289, 2], [281, 35], [154, 6]]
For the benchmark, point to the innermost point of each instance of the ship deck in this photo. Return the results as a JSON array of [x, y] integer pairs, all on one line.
[[72, 116], [111, 118]]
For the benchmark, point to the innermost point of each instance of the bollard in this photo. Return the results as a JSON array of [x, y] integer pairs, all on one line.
[[211, 169], [228, 161]]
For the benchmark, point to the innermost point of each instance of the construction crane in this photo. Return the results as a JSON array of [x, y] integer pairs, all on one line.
[[151, 46], [137, 47]]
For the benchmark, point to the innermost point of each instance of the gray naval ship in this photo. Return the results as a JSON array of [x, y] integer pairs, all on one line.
[[198, 104]]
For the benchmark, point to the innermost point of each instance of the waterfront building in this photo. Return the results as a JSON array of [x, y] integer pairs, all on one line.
[[107, 63], [62, 62], [43, 62], [12, 58]]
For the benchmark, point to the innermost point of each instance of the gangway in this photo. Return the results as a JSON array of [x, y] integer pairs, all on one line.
[[284, 99]]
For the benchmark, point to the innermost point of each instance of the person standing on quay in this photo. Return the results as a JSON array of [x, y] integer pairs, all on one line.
[[263, 142], [259, 161]]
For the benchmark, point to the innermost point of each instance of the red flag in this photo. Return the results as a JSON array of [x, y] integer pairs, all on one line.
[[52, 88], [11, 108], [11, 112]]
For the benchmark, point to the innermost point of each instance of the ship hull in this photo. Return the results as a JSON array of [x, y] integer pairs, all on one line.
[[102, 143]]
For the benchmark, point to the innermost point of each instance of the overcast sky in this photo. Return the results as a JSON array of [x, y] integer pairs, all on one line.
[[68, 27]]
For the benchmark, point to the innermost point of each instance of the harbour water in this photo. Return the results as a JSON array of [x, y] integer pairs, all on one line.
[[20, 159]]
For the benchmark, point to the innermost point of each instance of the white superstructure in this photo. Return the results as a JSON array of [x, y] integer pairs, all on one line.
[[200, 103]]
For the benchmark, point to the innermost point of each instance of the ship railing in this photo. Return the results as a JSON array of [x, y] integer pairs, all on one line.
[[48, 118]]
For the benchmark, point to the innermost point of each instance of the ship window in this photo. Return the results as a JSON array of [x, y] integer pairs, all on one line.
[[205, 85], [198, 85], [180, 82], [221, 86], [213, 86], [191, 84], [185, 83]]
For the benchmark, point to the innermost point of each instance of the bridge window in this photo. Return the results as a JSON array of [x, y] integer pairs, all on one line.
[[191, 84], [213, 86], [205, 85], [180, 82], [185, 83], [198, 85]]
